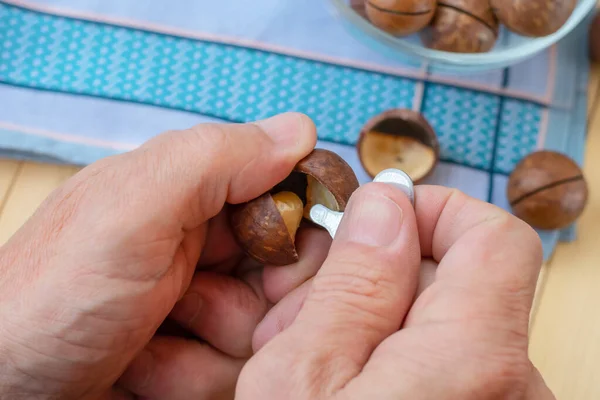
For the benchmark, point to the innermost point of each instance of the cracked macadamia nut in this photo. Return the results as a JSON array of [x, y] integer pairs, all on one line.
[[401, 139], [547, 190], [534, 18], [462, 26], [266, 227], [400, 17]]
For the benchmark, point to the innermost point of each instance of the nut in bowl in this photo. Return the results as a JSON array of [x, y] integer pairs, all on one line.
[[534, 18], [400, 17], [469, 54], [462, 26]]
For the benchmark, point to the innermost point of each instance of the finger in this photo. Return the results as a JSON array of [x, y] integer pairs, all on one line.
[[284, 312], [194, 172], [223, 310], [220, 246], [120, 394], [173, 329], [313, 246], [484, 253], [288, 286], [280, 316], [538, 389], [365, 287], [185, 260], [427, 275], [174, 368]]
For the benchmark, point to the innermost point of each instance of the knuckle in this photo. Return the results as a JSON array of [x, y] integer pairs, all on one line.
[[496, 362], [361, 289], [345, 284], [531, 240], [213, 139], [280, 370], [458, 197], [208, 140], [505, 374], [507, 228], [64, 204]]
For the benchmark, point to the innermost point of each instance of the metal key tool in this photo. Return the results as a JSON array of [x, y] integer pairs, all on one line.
[[330, 219]]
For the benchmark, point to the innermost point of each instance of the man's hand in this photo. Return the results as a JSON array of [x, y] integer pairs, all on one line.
[[85, 284], [360, 333]]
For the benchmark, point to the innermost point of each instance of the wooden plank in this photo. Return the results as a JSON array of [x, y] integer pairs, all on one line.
[[593, 90], [593, 109], [8, 174], [34, 182], [564, 336]]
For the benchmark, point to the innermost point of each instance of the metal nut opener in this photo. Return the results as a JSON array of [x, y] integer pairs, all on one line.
[[330, 219]]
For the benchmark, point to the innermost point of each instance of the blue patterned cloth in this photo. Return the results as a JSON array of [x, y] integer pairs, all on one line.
[[83, 79]]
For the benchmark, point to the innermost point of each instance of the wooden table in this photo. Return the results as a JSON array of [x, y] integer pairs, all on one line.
[[565, 342]]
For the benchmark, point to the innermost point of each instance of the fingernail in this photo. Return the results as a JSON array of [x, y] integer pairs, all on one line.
[[186, 310], [374, 220], [398, 179], [282, 128]]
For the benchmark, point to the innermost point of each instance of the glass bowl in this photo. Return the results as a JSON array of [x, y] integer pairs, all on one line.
[[510, 48]]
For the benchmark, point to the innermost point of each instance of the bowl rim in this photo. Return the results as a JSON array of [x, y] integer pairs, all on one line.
[[509, 55]]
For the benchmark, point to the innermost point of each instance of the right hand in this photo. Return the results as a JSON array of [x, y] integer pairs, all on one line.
[[359, 332]]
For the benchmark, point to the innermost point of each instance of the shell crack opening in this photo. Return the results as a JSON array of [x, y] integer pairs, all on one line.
[[316, 193]]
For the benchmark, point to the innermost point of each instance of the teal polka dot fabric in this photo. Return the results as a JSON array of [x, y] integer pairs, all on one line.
[[240, 84], [74, 89], [227, 82], [466, 123], [518, 134]]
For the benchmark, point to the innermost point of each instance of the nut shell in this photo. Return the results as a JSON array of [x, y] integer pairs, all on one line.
[[547, 190], [534, 18], [480, 9], [400, 17], [261, 232], [331, 171], [462, 26], [259, 227], [405, 129]]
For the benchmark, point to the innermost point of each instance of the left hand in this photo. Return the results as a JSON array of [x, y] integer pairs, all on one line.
[[86, 283]]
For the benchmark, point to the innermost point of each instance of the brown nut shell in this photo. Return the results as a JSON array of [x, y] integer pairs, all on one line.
[[400, 17], [333, 173], [533, 18], [547, 190], [265, 227], [480, 9], [262, 233], [462, 26], [401, 139]]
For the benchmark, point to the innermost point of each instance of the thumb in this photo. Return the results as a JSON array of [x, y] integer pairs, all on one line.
[[359, 297], [187, 176], [367, 284]]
